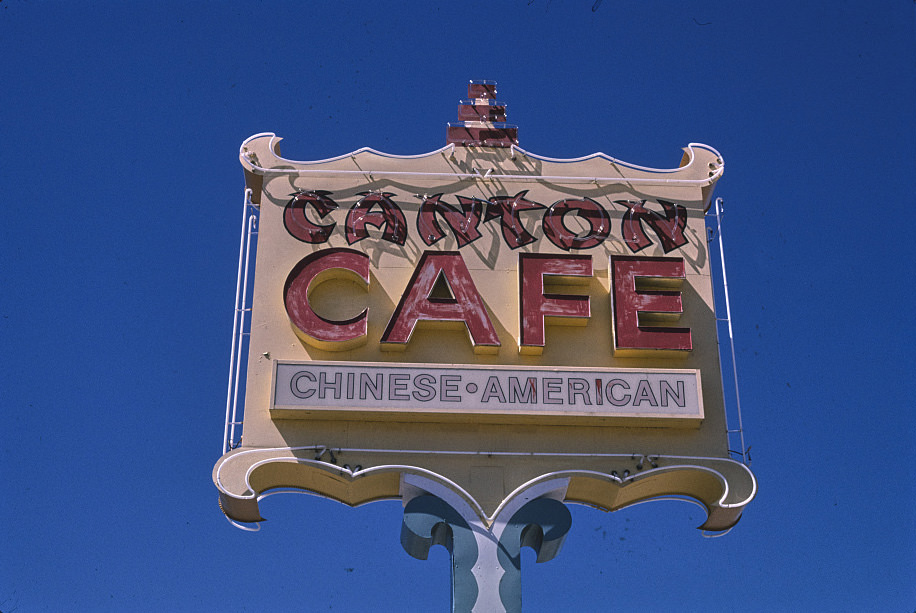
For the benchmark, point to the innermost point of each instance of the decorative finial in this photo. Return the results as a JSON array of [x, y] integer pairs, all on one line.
[[481, 120]]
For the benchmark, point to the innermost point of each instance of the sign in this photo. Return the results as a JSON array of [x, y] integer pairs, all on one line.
[[484, 318], [366, 391]]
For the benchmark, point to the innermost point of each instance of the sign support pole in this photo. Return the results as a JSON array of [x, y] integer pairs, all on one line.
[[486, 559]]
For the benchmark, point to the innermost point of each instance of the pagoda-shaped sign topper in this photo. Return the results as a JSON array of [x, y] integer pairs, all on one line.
[[482, 120], [486, 334]]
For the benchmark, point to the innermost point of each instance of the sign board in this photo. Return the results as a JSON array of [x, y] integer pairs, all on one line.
[[494, 394], [487, 318]]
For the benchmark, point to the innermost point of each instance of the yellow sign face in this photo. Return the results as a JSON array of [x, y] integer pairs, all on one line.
[[485, 318]]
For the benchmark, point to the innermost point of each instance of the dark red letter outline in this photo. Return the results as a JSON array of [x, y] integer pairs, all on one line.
[[463, 223], [390, 216], [328, 334], [507, 209], [465, 305], [535, 306], [587, 209], [628, 301], [669, 229], [297, 223]]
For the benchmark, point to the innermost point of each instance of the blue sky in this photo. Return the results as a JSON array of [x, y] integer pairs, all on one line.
[[120, 126]]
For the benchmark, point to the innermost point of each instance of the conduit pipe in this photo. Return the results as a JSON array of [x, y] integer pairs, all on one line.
[[250, 158], [235, 322], [714, 176]]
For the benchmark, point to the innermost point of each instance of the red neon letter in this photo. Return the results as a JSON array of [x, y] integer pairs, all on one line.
[[588, 211], [538, 308], [463, 223], [634, 303], [669, 229], [297, 222], [390, 216], [507, 210], [464, 306], [311, 271]]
